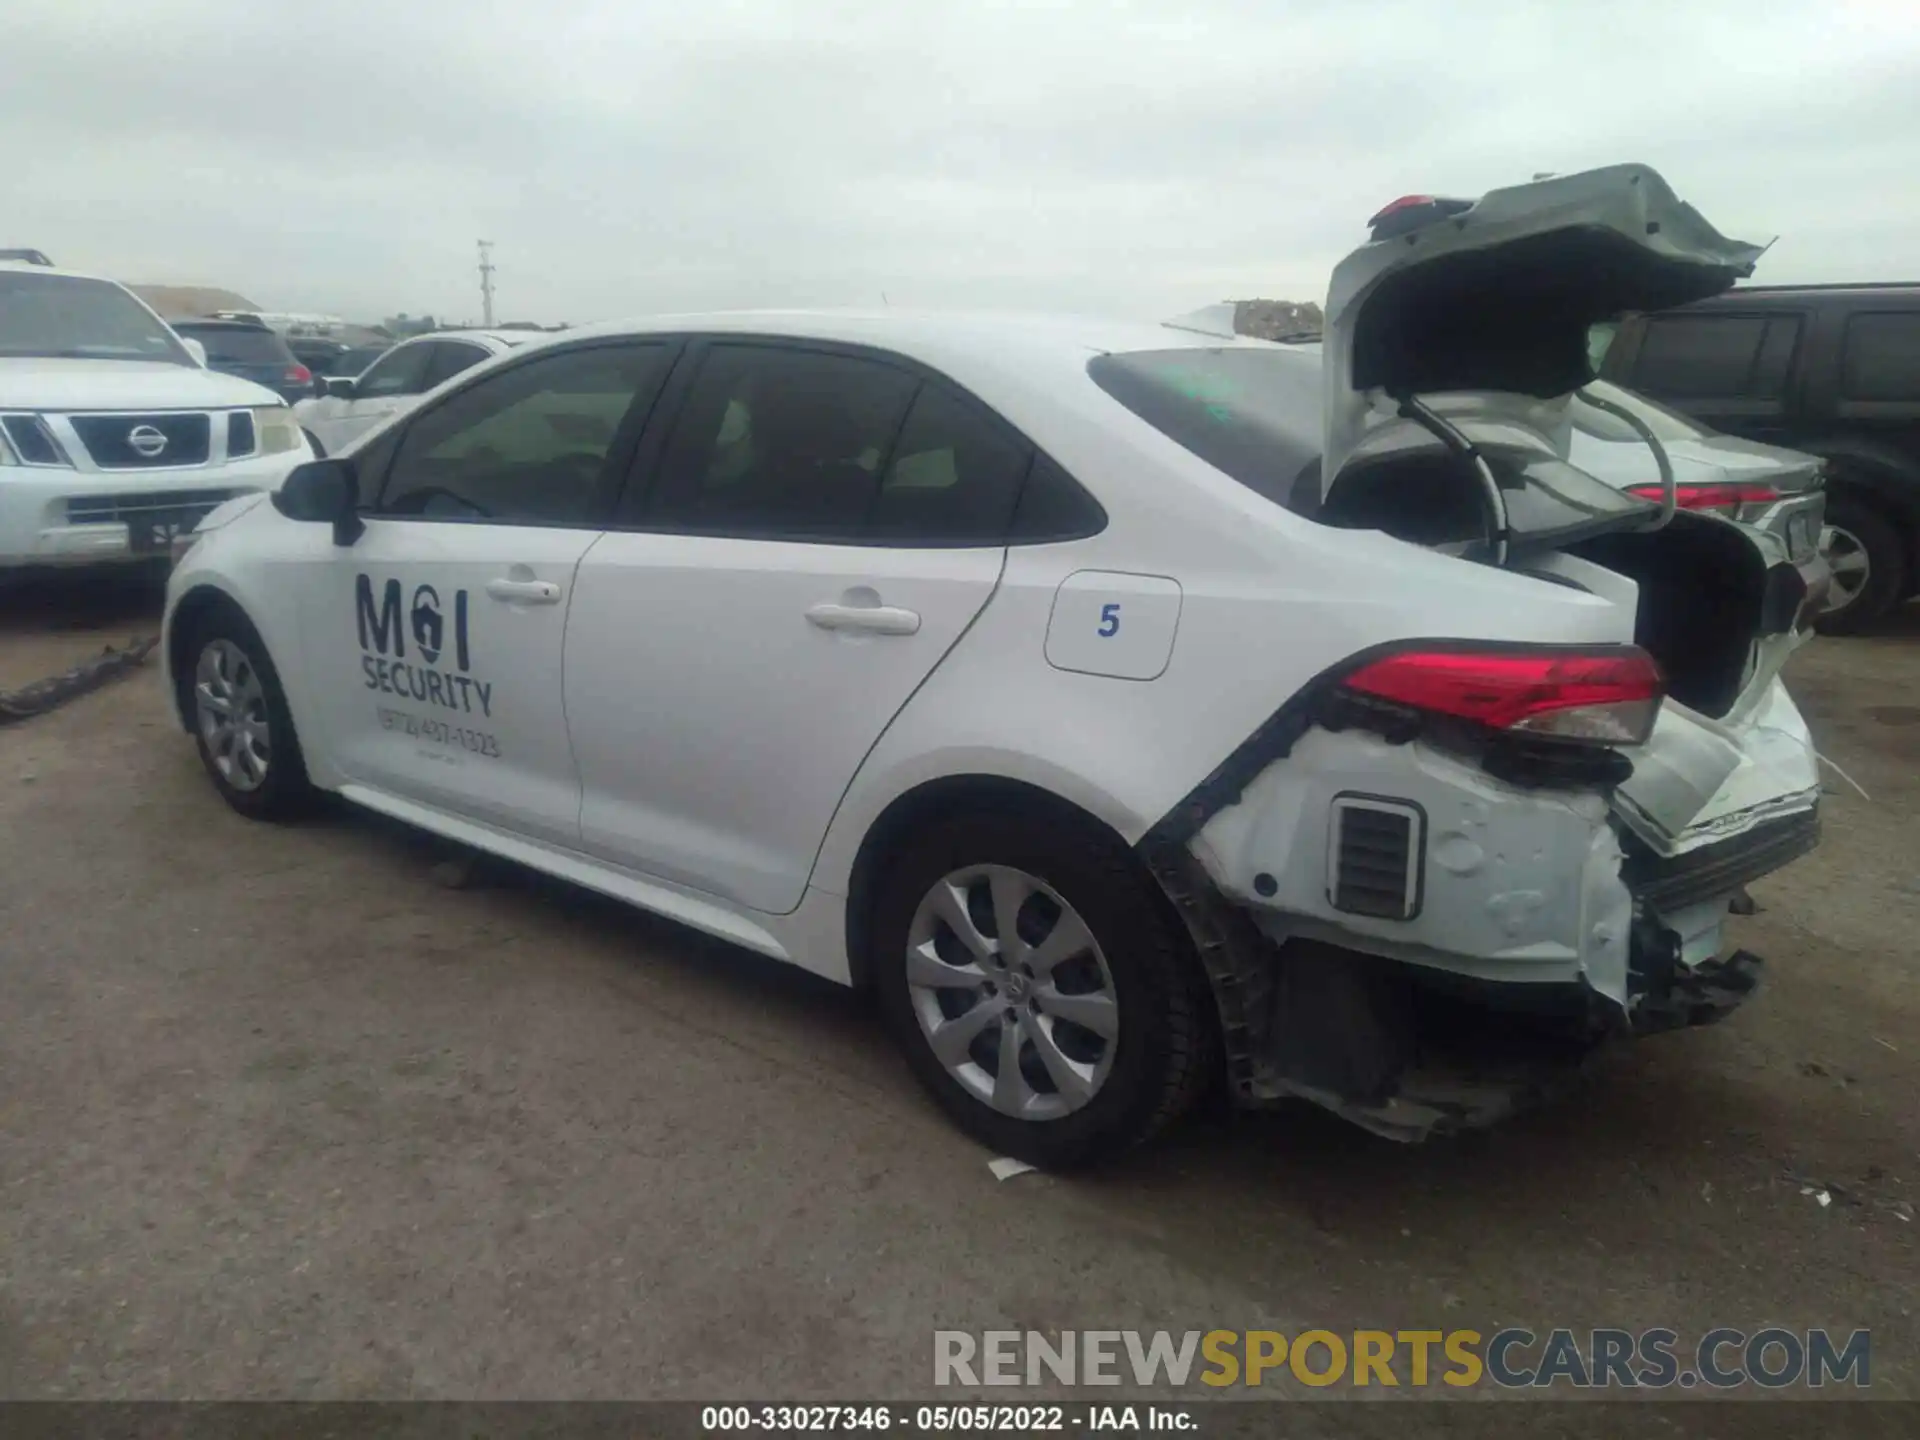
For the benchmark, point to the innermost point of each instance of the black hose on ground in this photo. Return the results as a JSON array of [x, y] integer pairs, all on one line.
[[43, 696]]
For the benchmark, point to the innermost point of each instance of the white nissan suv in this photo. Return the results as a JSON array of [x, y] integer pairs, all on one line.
[[114, 437], [969, 659]]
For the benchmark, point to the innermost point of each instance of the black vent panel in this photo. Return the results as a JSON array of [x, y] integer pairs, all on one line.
[[1376, 857], [144, 506], [31, 440]]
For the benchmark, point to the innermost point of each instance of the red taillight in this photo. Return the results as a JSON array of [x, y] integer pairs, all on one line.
[[1728, 498], [1608, 697], [1394, 207], [298, 375]]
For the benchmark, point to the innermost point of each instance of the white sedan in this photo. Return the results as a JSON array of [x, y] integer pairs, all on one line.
[[967, 659], [395, 383]]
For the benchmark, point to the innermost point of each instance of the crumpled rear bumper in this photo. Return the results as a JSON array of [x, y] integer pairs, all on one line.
[[1538, 931]]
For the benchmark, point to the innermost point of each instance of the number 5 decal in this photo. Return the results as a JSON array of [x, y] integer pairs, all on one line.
[[1109, 621]]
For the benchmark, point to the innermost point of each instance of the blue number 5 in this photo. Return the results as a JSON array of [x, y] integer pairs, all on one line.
[[1109, 621]]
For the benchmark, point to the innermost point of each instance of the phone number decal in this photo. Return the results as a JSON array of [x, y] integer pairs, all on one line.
[[454, 737]]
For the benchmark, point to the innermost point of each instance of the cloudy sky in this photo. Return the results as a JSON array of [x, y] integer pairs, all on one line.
[[1132, 158]]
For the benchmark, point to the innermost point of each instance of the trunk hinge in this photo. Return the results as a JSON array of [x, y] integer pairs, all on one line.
[[1412, 408]]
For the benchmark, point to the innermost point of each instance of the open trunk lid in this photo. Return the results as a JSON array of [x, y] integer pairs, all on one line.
[[1481, 312], [1499, 296]]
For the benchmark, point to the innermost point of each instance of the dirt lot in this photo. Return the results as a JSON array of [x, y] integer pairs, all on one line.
[[280, 1115]]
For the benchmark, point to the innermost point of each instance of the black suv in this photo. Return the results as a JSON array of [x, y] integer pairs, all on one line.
[[1833, 370], [247, 348]]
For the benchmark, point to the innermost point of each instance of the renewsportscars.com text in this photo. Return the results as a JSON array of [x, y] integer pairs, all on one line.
[[1513, 1358]]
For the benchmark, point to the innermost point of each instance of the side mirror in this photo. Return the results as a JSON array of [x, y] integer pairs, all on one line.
[[195, 349], [325, 492], [338, 386]]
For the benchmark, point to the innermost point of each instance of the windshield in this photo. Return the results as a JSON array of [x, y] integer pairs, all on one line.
[[237, 344], [1666, 425], [65, 317]]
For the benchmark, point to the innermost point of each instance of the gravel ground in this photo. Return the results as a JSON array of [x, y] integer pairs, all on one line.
[[283, 1115]]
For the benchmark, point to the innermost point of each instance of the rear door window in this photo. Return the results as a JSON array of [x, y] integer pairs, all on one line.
[[450, 357], [954, 477], [239, 345], [400, 371], [779, 443], [1881, 357], [784, 442], [1702, 357]]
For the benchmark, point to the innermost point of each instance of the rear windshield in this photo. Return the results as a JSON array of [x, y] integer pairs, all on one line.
[[1255, 415], [1250, 412], [238, 344], [1664, 423]]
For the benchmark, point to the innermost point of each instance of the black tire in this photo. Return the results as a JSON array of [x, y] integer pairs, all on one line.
[[1885, 549], [1164, 1051], [285, 792], [319, 450]]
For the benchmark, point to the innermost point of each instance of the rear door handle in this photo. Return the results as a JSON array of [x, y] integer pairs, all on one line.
[[870, 619], [526, 592]]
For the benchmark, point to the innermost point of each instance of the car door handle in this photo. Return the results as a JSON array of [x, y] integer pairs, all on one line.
[[871, 619], [526, 592]]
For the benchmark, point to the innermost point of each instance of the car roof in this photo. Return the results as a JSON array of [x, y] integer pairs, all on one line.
[[211, 322], [1794, 294], [991, 338], [496, 337], [27, 267]]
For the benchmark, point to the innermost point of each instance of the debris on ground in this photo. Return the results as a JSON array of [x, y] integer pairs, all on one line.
[[1005, 1168], [42, 696]]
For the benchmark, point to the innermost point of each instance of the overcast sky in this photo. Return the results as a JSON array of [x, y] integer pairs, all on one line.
[[627, 155]]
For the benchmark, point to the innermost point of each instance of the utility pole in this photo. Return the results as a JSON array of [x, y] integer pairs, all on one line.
[[486, 283]]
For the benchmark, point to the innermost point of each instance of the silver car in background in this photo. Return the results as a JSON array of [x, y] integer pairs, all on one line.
[[1765, 486]]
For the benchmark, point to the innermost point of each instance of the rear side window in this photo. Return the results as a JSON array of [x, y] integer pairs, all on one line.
[[1881, 358], [1252, 413], [954, 477], [238, 344], [449, 359], [1715, 357]]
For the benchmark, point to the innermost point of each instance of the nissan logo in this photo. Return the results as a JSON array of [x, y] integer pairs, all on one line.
[[146, 440]]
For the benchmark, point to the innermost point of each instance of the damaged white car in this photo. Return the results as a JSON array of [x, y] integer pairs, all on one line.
[[975, 660]]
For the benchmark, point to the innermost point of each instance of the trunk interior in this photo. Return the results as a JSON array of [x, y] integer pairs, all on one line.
[[1706, 592], [1705, 596]]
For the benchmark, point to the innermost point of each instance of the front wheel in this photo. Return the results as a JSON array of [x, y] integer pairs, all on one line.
[[241, 723], [1039, 987]]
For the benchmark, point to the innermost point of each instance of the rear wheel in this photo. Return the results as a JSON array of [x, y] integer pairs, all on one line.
[[1038, 986], [241, 724], [1868, 557]]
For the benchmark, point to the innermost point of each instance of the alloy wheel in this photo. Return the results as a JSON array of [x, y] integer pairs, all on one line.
[[1012, 992], [230, 705], [1852, 568]]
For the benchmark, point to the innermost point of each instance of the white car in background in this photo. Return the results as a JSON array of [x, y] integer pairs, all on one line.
[[114, 436], [967, 658], [394, 383]]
